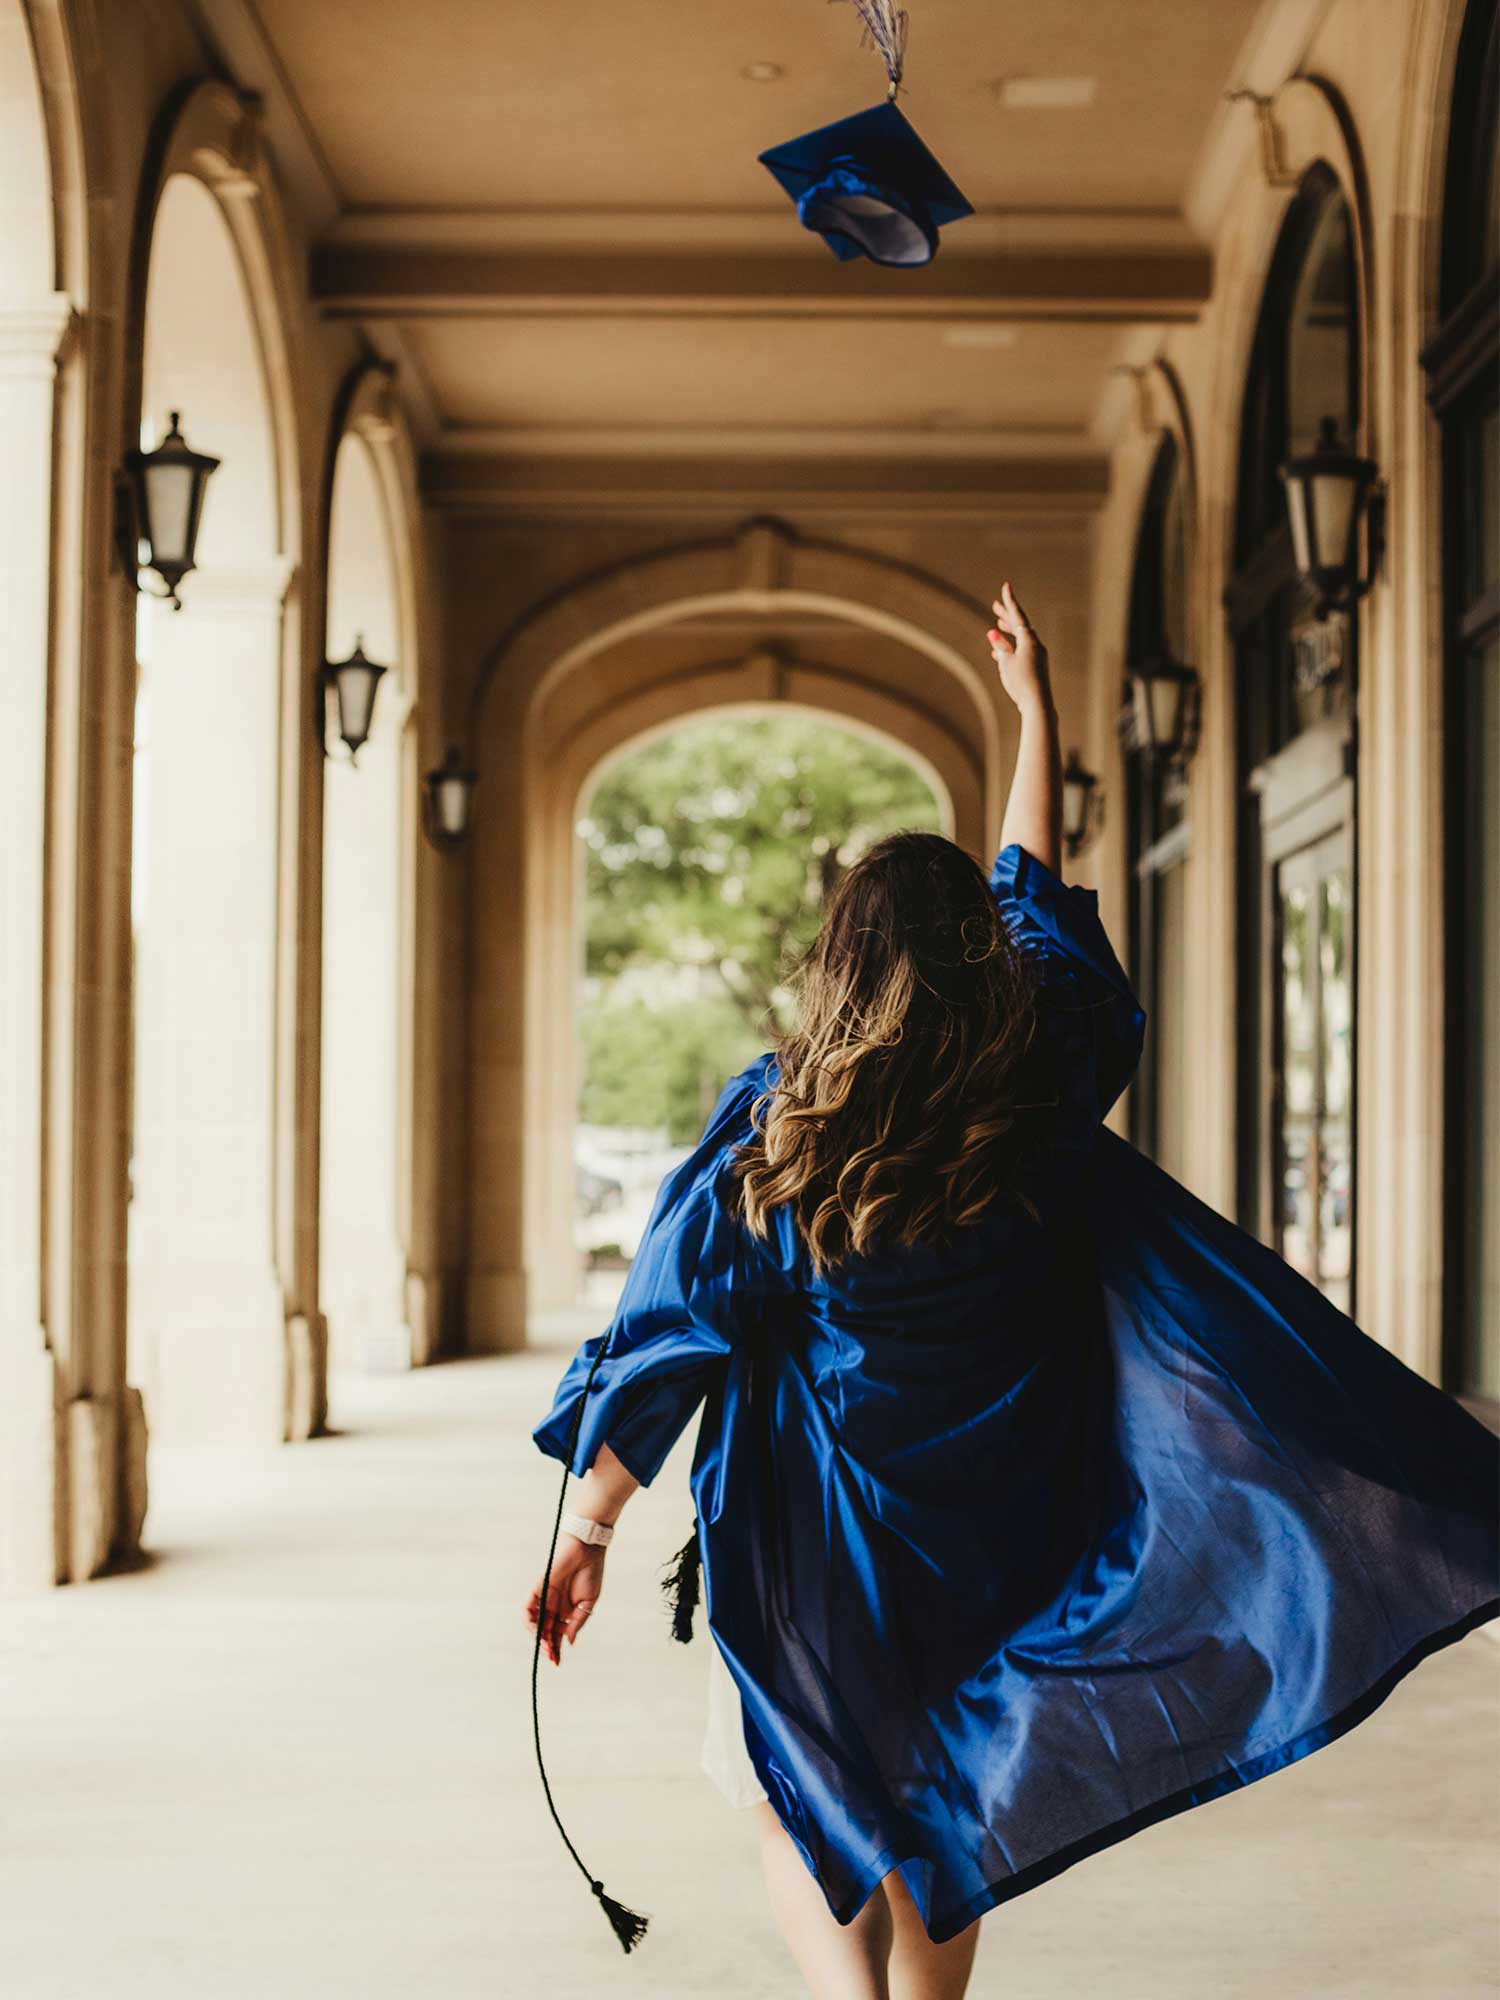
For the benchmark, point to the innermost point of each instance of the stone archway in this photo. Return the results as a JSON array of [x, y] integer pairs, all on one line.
[[45, 245], [368, 832], [369, 410], [216, 837], [520, 1095]]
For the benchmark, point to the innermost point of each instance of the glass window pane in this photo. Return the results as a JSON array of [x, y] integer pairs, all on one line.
[[1481, 484], [1320, 333], [1335, 1140], [1297, 1166], [1171, 978], [1479, 1190]]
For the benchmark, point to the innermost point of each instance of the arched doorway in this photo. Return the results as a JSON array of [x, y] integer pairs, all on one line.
[[44, 247], [205, 1311], [365, 1080], [1463, 381], [592, 665], [1295, 681], [707, 847], [1156, 826]]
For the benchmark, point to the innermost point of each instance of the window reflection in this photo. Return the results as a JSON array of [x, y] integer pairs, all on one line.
[[1314, 1142]]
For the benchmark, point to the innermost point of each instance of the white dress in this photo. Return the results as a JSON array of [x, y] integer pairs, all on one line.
[[725, 1757]]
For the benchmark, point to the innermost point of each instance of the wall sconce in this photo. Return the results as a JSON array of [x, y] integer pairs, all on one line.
[[158, 508], [1327, 490], [1160, 713], [1083, 806], [354, 684], [449, 795]]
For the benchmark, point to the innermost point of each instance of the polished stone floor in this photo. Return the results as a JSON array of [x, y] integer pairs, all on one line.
[[291, 1759]]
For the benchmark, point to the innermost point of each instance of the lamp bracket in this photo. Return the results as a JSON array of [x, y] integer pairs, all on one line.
[[1272, 160]]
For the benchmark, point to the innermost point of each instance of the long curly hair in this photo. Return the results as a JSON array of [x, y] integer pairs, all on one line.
[[906, 1104]]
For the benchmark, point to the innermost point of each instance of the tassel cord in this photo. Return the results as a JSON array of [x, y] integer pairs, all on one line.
[[628, 1927], [885, 29]]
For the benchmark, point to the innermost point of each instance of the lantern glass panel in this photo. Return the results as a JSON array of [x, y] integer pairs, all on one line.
[[1296, 507], [1332, 497], [1075, 807], [452, 799], [168, 502], [356, 681]]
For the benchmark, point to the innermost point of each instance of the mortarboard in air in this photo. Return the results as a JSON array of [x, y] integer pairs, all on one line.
[[869, 187]]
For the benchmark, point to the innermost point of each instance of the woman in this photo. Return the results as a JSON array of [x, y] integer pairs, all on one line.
[[1036, 1502]]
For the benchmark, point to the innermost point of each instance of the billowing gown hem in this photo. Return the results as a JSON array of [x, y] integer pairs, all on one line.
[[1215, 1785]]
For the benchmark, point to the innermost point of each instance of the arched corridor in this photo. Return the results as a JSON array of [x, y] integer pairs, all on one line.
[[434, 343], [204, 1345]]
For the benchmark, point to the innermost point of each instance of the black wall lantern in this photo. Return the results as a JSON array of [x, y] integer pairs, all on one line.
[[449, 794], [1159, 717], [354, 683], [1083, 805], [158, 508], [1327, 491]]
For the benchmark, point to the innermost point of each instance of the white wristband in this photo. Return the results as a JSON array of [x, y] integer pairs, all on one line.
[[597, 1533]]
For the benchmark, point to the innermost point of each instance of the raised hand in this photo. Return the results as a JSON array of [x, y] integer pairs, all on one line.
[[1019, 653]]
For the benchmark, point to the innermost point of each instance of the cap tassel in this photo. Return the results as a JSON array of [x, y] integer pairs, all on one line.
[[628, 1925], [680, 1586], [885, 29]]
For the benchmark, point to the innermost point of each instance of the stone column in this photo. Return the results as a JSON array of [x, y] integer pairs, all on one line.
[[31, 1389], [207, 1340]]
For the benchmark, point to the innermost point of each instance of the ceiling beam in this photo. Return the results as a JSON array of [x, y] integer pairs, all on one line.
[[1122, 285], [1061, 490]]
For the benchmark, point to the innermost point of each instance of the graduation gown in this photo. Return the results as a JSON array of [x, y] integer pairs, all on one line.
[[1017, 1547]]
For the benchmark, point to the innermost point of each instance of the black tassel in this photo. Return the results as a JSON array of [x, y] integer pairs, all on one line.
[[680, 1587], [628, 1926]]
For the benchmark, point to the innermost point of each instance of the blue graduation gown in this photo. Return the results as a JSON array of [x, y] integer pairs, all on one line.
[[1018, 1547]]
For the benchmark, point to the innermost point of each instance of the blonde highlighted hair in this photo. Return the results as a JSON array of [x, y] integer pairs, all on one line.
[[905, 1105]]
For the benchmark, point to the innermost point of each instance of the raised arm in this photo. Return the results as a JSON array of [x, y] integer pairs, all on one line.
[[1033, 812]]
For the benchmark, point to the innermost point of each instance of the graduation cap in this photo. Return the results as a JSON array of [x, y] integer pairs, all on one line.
[[869, 187]]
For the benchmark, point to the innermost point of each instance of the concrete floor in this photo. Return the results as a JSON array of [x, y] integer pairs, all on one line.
[[292, 1757]]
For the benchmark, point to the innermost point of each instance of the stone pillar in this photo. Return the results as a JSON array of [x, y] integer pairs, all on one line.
[[207, 1340], [32, 1485], [365, 1144]]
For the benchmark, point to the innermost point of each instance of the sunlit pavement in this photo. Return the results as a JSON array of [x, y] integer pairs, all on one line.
[[293, 1758]]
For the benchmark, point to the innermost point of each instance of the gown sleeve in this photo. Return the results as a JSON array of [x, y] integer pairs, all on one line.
[[679, 1314], [1088, 1004]]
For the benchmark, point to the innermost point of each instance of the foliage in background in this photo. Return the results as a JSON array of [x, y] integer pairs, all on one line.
[[708, 854]]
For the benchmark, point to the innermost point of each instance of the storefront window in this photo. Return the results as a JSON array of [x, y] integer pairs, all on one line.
[[1294, 704], [1157, 841]]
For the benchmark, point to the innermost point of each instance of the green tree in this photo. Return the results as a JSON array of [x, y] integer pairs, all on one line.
[[714, 847], [662, 1063]]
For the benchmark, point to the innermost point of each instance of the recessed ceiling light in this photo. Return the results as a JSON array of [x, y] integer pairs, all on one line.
[[762, 72], [1045, 93], [980, 336]]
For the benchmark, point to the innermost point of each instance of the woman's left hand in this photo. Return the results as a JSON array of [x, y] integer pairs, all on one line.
[[572, 1592]]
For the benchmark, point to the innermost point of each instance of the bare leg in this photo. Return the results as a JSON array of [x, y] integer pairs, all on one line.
[[838, 1961], [920, 1969]]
